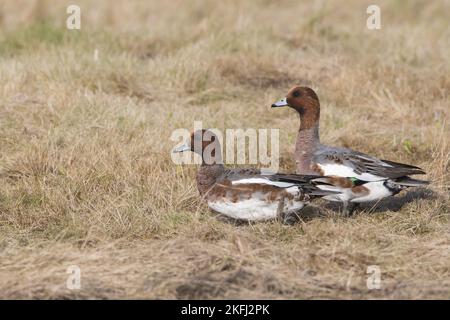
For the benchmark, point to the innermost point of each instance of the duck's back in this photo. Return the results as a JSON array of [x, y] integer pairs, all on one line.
[[345, 162]]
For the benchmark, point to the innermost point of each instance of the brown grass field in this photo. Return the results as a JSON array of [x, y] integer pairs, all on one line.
[[86, 176]]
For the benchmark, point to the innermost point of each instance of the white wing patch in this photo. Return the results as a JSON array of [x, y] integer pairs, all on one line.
[[263, 181], [341, 170], [344, 195]]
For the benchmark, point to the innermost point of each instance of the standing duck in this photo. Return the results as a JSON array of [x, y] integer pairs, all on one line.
[[365, 178], [246, 194]]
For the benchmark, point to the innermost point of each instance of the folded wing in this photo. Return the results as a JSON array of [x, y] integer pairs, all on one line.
[[348, 163]]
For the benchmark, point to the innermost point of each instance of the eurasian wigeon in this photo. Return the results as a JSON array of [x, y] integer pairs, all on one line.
[[245, 193], [385, 178]]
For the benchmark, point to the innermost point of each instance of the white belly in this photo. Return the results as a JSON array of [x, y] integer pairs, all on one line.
[[252, 209]]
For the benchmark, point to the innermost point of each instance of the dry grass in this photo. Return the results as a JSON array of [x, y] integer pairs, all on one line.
[[85, 171]]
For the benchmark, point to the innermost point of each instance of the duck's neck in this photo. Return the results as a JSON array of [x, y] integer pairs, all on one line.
[[207, 176], [210, 170], [307, 143]]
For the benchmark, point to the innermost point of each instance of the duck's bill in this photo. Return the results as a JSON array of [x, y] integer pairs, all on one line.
[[280, 103], [182, 148]]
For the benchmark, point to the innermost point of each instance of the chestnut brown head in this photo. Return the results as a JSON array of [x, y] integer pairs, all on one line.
[[305, 101], [205, 143]]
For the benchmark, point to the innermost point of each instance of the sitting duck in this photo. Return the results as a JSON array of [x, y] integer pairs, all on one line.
[[363, 177], [246, 193]]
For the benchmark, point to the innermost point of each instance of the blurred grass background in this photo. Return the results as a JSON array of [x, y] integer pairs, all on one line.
[[85, 172]]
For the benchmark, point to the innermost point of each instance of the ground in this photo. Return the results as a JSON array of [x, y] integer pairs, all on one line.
[[86, 177]]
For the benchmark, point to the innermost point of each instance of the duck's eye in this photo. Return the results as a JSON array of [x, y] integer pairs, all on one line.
[[296, 94]]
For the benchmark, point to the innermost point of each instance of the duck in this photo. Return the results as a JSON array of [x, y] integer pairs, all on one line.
[[246, 193], [362, 177]]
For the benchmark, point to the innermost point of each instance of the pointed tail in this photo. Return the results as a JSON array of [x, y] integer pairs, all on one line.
[[409, 182]]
